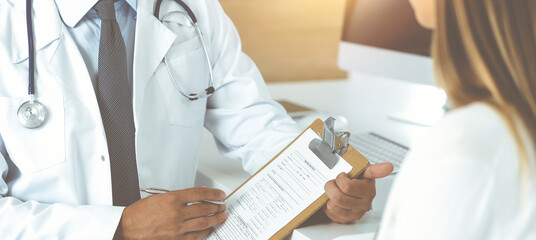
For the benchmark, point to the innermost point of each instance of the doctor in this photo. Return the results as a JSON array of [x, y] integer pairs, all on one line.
[[125, 96]]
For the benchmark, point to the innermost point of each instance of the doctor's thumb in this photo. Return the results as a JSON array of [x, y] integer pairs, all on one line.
[[379, 170]]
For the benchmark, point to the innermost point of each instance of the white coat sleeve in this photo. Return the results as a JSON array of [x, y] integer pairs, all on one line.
[[33, 220], [246, 123]]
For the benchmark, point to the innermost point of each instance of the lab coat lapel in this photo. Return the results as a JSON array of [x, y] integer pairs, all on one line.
[[47, 28], [71, 71], [153, 40]]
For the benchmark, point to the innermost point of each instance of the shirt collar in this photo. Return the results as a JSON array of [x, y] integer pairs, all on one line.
[[72, 11]]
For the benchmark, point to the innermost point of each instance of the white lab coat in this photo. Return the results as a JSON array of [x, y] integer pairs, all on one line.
[[56, 179]]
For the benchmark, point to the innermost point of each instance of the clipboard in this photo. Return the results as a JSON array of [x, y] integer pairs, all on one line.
[[358, 162]]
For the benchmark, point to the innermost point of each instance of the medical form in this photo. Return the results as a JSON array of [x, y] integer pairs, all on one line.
[[278, 193]]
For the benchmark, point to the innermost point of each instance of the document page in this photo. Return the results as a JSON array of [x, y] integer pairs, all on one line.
[[277, 194]]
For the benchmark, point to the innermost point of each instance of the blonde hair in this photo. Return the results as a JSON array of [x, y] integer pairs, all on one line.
[[485, 51]]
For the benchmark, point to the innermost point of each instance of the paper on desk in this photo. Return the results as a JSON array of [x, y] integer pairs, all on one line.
[[277, 194]]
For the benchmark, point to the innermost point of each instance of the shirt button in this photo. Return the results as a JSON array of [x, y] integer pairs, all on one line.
[[102, 158]]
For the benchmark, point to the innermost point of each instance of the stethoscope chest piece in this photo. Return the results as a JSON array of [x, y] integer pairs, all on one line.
[[32, 114]]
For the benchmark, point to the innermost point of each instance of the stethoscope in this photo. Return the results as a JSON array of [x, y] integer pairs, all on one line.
[[210, 89], [33, 114]]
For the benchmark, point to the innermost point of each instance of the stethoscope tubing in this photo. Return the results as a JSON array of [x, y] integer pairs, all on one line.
[[32, 114], [180, 2], [31, 49], [210, 88]]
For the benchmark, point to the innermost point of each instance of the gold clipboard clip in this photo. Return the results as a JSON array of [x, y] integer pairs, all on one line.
[[331, 144]]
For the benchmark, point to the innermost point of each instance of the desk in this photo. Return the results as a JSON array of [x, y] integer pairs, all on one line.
[[370, 103]]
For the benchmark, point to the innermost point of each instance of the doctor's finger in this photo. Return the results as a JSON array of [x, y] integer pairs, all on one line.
[[344, 217], [337, 219], [360, 188], [202, 223], [197, 235], [201, 210], [198, 194], [348, 213], [339, 198], [359, 204]]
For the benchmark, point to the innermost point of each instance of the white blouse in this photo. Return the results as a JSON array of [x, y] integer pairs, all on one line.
[[463, 181]]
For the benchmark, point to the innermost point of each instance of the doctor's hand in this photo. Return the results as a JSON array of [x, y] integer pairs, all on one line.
[[169, 215], [350, 199]]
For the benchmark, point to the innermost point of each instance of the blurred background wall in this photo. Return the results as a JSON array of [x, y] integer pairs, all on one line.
[[290, 40]]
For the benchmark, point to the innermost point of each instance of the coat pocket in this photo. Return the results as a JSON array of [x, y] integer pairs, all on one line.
[[33, 150], [188, 73]]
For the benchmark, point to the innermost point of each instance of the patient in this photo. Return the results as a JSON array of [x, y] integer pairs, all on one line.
[[474, 176]]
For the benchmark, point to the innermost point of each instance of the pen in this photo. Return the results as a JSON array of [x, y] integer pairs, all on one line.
[[161, 190]]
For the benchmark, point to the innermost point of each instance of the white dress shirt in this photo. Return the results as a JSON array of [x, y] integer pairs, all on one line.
[[463, 182]]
